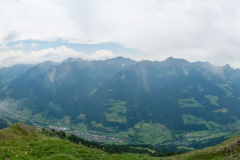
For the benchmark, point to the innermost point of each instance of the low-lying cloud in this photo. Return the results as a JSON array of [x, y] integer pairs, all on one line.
[[9, 58], [101, 55], [8, 103]]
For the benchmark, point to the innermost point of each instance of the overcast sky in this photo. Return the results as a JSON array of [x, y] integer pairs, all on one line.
[[32, 31]]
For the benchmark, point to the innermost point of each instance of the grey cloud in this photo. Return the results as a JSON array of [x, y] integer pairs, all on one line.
[[186, 29], [10, 36], [206, 30]]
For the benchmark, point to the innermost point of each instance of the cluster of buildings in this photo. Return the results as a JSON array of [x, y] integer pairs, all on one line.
[[98, 137], [62, 128]]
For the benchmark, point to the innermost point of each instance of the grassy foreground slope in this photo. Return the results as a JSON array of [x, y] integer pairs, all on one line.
[[21, 141], [229, 149]]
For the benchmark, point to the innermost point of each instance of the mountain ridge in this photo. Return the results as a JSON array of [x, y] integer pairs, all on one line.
[[163, 101]]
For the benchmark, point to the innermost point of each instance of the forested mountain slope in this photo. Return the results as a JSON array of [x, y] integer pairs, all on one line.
[[123, 101]]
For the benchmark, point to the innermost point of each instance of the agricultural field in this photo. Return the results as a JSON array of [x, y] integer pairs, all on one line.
[[92, 92], [213, 99], [190, 102], [150, 133], [223, 110], [214, 129], [82, 116], [227, 88], [81, 126], [117, 111], [189, 119], [204, 135]]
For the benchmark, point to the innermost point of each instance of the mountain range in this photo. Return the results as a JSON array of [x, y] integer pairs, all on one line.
[[170, 102]]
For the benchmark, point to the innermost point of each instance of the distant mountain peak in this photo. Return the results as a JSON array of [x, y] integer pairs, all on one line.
[[175, 61], [203, 64], [169, 58], [46, 62], [119, 58], [71, 59], [227, 66]]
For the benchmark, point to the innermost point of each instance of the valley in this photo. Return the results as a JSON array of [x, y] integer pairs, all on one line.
[[174, 102], [119, 80], [141, 133], [20, 141]]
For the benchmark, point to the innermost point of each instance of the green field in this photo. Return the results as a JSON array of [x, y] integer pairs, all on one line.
[[92, 92], [213, 99], [189, 119], [190, 102], [81, 126], [227, 88], [150, 133], [223, 110], [117, 111], [82, 116]]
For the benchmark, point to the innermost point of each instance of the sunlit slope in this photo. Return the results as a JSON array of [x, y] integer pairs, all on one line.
[[229, 149], [21, 141]]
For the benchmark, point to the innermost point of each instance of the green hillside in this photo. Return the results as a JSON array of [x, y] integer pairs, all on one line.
[[21, 141], [229, 149]]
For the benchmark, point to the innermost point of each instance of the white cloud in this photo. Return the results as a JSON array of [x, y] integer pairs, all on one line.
[[3, 46], [35, 20], [19, 45], [105, 54], [9, 58], [101, 55], [195, 30], [33, 45]]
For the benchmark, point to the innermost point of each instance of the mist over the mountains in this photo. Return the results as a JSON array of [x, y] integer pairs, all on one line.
[[8, 103]]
